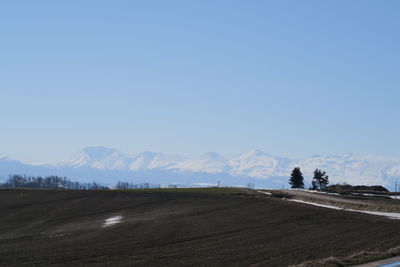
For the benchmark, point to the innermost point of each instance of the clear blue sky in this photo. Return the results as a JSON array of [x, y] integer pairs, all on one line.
[[292, 78]]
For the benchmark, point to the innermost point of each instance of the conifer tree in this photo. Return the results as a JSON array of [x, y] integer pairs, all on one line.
[[320, 180], [296, 179]]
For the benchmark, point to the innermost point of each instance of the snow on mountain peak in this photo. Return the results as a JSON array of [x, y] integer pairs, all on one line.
[[350, 168], [152, 160], [99, 158], [3, 157], [256, 163], [208, 163]]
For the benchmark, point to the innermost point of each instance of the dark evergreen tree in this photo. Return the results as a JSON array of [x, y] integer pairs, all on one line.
[[320, 180], [296, 178]]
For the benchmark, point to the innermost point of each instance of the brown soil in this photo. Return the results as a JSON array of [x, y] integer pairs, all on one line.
[[64, 228]]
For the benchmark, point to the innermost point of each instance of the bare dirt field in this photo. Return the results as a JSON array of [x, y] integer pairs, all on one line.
[[199, 227]]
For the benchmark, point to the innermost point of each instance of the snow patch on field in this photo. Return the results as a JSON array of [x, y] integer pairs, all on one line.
[[314, 191], [390, 215], [326, 193], [266, 193], [375, 195], [112, 220]]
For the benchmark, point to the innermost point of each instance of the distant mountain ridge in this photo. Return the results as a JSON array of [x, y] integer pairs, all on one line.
[[254, 163], [109, 165]]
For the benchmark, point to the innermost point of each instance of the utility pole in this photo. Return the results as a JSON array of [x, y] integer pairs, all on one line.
[[395, 189], [218, 183]]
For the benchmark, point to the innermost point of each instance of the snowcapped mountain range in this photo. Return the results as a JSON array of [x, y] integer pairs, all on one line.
[[254, 163], [109, 165]]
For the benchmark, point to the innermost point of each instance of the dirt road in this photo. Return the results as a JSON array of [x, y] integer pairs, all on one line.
[[368, 203]]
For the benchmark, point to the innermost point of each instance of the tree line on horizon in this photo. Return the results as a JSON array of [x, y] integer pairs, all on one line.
[[296, 180], [53, 182], [318, 182], [127, 185], [57, 182]]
